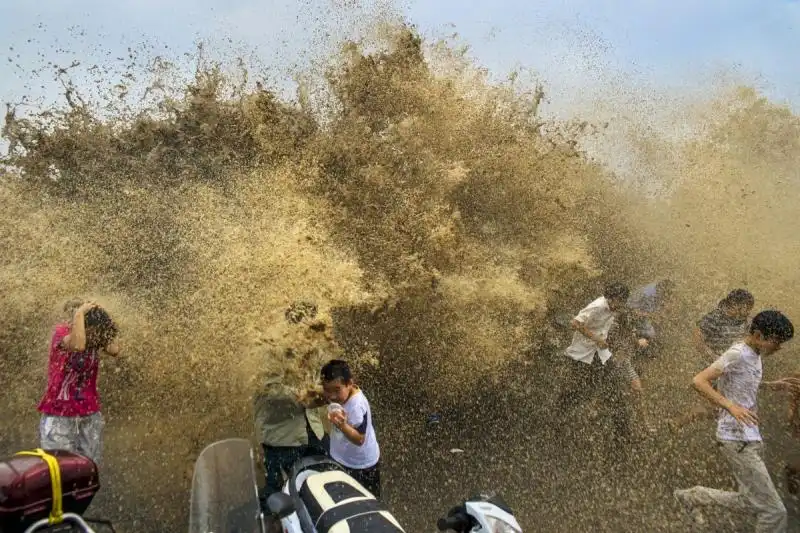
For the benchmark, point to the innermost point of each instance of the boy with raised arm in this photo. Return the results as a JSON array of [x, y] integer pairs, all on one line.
[[70, 407]]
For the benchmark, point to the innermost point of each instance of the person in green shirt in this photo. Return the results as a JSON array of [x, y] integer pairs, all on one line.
[[288, 426]]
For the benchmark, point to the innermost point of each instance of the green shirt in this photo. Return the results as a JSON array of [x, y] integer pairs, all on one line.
[[280, 420]]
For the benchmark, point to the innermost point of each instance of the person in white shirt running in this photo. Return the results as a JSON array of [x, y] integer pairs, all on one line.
[[353, 441], [739, 373], [589, 354]]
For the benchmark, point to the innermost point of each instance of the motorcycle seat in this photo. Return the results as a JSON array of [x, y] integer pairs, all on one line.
[[337, 503]]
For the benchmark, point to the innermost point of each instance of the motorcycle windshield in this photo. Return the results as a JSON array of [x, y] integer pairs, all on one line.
[[224, 491]]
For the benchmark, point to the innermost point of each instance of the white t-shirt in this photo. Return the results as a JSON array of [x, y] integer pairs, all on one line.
[[739, 382], [359, 415], [597, 317]]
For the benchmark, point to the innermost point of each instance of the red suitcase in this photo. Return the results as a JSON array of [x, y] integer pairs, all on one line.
[[26, 490]]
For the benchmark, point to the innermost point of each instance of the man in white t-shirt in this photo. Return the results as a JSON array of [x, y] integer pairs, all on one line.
[[589, 354], [353, 441], [739, 372]]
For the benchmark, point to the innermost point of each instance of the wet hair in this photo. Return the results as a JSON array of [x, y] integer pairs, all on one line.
[[100, 329], [616, 291], [773, 325], [336, 369], [738, 297]]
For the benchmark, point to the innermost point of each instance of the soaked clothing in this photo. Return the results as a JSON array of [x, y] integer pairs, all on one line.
[[721, 331], [71, 380], [79, 434], [598, 318], [742, 447], [286, 429], [622, 339], [344, 452], [646, 301], [756, 491], [279, 460], [280, 420], [627, 371], [596, 378], [70, 406], [739, 382]]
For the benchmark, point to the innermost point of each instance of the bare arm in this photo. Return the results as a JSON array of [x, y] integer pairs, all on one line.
[[581, 328], [339, 420], [75, 341], [700, 343], [112, 349], [703, 384]]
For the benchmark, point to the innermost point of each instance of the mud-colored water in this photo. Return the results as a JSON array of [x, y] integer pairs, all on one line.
[[437, 227]]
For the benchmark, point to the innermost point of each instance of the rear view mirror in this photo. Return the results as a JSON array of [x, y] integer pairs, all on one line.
[[280, 504]]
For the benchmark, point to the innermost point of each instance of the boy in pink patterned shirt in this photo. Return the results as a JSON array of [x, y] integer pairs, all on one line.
[[71, 418]]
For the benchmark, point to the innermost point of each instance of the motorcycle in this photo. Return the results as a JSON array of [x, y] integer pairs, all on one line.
[[320, 497], [48, 491], [483, 513]]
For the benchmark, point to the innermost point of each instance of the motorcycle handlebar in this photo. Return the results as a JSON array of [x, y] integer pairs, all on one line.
[[457, 522]]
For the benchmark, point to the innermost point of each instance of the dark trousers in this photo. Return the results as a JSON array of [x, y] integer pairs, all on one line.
[[278, 460], [587, 380], [370, 478]]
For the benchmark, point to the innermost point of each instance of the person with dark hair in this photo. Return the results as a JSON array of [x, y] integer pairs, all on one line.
[[589, 353], [353, 441], [70, 408], [714, 333], [739, 372], [719, 329], [592, 324]]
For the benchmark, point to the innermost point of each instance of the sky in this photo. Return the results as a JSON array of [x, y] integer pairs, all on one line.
[[582, 50]]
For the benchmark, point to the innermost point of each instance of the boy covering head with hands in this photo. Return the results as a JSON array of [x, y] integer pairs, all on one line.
[[71, 418]]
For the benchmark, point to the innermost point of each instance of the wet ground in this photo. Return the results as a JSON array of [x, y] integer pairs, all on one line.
[[559, 473]]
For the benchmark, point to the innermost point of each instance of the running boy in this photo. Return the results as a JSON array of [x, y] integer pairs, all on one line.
[[739, 373], [71, 418], [353, 441]]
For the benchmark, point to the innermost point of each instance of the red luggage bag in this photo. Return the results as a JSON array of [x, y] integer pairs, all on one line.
[[27, 489]]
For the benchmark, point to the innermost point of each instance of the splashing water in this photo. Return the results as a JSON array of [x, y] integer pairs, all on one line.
[[437, 220]]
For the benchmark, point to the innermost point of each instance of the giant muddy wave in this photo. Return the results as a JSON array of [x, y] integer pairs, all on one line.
[[438, 221]]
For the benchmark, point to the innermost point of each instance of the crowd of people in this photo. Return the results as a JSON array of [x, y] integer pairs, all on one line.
[[611, 334], [618, 325]]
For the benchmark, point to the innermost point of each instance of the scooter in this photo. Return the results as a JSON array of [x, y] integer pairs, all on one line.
[[320, 497]]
